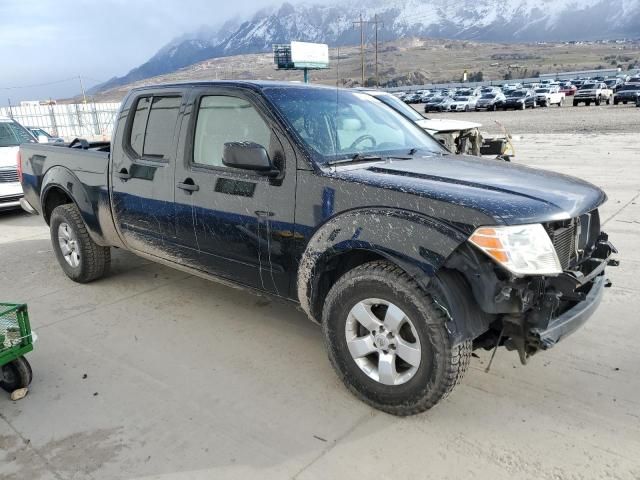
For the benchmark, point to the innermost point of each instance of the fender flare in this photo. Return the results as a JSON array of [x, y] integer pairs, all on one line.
[[88, 200], [417, 243]]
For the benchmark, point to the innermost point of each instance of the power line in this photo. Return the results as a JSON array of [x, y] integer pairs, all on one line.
[[55, 82], [40, 84]]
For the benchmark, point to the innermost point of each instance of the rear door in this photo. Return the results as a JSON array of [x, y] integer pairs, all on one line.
[[234, 223], [142, 172]]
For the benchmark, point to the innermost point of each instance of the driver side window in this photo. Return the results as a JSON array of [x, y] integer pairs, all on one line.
[[223, 119]]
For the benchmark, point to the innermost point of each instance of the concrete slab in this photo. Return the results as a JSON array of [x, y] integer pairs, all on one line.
[[154, 374]]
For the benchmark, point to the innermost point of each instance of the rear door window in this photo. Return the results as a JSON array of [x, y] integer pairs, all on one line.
[[153, 127]]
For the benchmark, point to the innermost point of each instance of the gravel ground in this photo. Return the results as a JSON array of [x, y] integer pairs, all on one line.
[[152, 374], [568, 119]]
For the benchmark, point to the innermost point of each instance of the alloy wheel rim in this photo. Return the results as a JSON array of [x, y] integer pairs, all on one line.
[[69, 245], [383, 342]]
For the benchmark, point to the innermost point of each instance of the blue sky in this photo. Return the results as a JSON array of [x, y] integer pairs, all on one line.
[[43, 41]]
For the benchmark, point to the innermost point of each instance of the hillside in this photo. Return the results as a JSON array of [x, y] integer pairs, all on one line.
[[412, 61], [477, 20]]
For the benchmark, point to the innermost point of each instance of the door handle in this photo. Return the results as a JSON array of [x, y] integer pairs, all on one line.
[[123, 175], [188, 186]]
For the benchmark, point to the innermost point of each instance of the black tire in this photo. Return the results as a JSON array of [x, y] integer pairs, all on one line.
[[16, 374], [575, 104], [608, 101], [442, 364], [615, 102], [94, 260], [597, 101], [588, 103]]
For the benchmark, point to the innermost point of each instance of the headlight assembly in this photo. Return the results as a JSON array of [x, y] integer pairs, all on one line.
[[521, 249]]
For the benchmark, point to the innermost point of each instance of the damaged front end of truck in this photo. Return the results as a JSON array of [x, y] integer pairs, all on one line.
[[528, 312]]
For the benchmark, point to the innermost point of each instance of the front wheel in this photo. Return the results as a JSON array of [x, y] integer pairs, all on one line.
[[15, 374], [79, 256], [388, 341]]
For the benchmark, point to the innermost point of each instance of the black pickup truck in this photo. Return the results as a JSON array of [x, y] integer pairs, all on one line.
[[407, 255]]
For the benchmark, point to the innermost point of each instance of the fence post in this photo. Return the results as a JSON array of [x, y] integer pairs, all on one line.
[[52, 117], [96, 121], [79, 134]]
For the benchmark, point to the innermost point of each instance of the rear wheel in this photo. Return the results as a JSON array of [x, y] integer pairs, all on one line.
[[575, 104], [80, 257], [608, 102], [16, 374], [387, 339]]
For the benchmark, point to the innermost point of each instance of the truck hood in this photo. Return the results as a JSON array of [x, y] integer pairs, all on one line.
[[8, 156], [508, 193]]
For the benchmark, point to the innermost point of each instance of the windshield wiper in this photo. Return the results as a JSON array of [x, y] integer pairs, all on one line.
[[358, 157]]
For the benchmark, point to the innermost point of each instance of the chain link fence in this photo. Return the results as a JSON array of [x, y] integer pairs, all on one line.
[[86, 120]]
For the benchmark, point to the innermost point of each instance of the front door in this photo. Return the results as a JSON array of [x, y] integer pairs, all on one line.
[[234, 223], [142, 173]]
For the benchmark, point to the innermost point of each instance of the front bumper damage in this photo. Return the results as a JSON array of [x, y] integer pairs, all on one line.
[[558, 306]]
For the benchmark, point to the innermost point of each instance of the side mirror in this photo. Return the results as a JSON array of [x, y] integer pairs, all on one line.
[[248, 156], [43, 139]]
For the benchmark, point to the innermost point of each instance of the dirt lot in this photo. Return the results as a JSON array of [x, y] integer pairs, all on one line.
[[187, 379], [568, 119]]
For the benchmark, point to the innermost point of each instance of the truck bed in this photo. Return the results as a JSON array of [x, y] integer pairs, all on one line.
[[81, 171]]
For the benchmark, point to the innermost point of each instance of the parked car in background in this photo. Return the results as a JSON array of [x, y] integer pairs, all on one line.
[[568, 89], [490, 101], [549, 95], [462, 103], [593, 92], [412, 98], [39, 132], [520, 100], [614, 83], [628, 93], [12, 135], [439, 105]]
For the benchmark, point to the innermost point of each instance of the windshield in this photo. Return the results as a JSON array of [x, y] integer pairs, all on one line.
[[337, 124], [13, 134], [461, 99], [399, 106], [587, 86], [542, 90], [489, 95], [517, 94], [629, 87]]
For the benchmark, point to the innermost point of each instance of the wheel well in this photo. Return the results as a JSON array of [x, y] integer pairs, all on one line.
[[55, 197], [331, 269]]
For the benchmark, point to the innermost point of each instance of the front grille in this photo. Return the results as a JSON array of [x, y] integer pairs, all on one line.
[[8, 176], [574, 239], [564, 241]]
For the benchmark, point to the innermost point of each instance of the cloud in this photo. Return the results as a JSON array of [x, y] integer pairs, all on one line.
[[49, 40]]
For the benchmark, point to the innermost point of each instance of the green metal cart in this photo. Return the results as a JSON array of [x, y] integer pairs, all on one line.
[[16, 340]]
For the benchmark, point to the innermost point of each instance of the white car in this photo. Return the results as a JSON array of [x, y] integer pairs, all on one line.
[[463, 104], [12, 134], [549, 95]]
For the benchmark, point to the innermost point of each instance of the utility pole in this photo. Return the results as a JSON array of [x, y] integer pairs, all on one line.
[[84, 96], [376, 22], [361, 24]]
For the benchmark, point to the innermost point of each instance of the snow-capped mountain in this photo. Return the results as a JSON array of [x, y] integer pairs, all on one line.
[[488, 20]]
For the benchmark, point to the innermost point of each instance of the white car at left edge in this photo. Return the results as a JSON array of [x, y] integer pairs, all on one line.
[[12, 134]]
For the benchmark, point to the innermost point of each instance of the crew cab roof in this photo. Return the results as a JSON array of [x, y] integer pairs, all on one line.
[[251, 84]]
